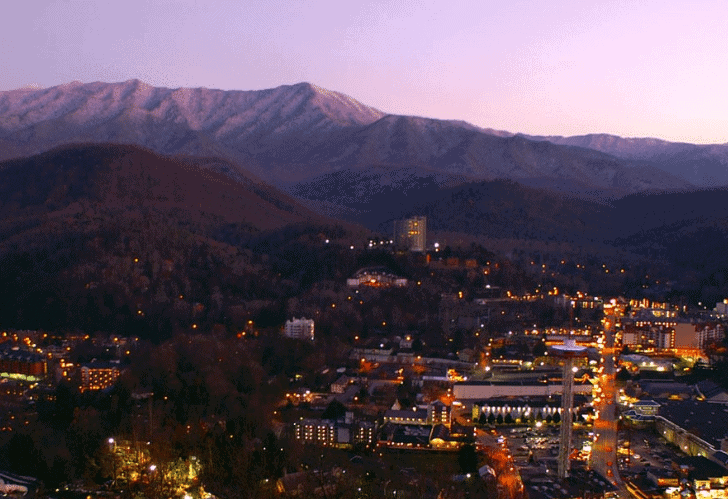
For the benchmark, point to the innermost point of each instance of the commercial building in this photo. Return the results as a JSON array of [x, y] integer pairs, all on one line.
[[16, 362], [319, 431], [709, 333], [470, 391], [98, 375], [330, 433], [698, 428], [438, 413], [521, 408], [376, 277], [406, 417], [645, 337]]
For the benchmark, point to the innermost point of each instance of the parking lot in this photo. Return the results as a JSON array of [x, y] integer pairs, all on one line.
[[640, 450], [535, 450]]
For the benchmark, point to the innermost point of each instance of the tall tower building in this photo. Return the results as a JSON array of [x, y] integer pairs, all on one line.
[[568, 352], [411, 233]]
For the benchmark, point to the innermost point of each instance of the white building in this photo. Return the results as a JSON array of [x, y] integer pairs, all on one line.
[[646, 337], [709, 333], [722, 307], [300, 329], [483, 390]]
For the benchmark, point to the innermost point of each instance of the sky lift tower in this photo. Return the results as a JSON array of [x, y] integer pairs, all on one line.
[[568, 351]]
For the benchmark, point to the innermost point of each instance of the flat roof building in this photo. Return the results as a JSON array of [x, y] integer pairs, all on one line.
[[299, 329]]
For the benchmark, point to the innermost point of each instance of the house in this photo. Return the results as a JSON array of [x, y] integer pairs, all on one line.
[[663, 477]]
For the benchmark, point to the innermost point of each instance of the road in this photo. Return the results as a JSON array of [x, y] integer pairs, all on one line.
[[510, 485], [604, 448]]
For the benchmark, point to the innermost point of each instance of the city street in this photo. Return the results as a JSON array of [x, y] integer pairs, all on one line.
[[497, 448], [604, 448]]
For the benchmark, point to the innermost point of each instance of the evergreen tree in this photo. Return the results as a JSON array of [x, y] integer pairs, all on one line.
[[468, 459]]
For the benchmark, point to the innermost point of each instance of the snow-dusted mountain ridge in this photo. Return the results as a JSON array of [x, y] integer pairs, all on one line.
[[295, 133], [219, 112], [704, 165]]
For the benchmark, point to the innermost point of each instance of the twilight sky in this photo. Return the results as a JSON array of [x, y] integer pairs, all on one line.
[[635, 68]]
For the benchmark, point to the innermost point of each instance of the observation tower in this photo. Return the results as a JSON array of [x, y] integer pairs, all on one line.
[[568, 351]]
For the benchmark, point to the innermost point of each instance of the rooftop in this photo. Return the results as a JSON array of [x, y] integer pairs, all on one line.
[[703, 419], [701, 468]]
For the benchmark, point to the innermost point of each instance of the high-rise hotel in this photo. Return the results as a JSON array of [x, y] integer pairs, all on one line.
[[411, 233]]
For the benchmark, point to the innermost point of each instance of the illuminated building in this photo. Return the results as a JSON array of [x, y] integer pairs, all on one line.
[[364, 433], [697, 427], [406, 417], [98, 375], [411, 233], [376, 277], [334, 433], [656, 337], [523, 408], [711, 392], [709, 333], [18, 363], [318, 431], [438, 413]]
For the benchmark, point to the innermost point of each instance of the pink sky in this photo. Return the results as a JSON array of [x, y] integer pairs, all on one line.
[[630, 68]]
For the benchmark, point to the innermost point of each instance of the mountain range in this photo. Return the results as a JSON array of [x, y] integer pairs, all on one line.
[[294, 133], [255, 162]]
